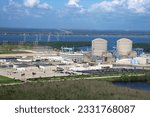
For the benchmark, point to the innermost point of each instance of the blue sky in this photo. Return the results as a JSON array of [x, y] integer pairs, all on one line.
[[76, 14]]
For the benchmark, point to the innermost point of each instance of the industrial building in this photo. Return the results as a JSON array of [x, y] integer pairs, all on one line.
[[133, 61], [99, 46], [126, 61], [124, 54], [107, 57], [88, 68], [76, 57], [124, 47], [66, 61], [99, 53]]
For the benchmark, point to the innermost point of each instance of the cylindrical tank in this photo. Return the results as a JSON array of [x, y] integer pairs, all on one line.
[[99, 46], [124, 46]]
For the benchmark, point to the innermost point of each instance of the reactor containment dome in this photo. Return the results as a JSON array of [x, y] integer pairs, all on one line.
[[124, 46], [99, 46]]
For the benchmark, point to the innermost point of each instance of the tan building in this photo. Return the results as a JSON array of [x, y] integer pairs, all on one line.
[[124, 46], [99, 46]]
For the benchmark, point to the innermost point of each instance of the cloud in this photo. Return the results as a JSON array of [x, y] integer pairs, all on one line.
[[107, 6], [12, 3], [138, 6], [74, 6], [37, 8], [36, 3], [73, 3], [26, 8], [135, 6], [31, 3], [44, 6], [12, 6]]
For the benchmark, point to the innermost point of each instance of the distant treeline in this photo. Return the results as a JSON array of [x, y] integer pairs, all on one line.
[[145, 46], [58, 45]]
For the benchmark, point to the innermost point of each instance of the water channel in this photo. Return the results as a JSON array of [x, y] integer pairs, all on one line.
[[134, 85]]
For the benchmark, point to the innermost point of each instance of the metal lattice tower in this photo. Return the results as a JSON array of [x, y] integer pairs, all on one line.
[[35, 43], [57, 36], [24, 37], [49, 37]]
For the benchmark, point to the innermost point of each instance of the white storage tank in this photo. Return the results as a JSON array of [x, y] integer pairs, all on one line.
[[124, 46], [99, 46]]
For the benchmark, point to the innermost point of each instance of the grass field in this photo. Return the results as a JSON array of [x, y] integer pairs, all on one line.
[[8, 48], [79, 89], [111, 76], [50, 89], [12, 52], [5, 80]]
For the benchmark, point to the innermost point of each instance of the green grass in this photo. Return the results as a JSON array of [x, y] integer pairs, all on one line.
[[44, 88], [8, 48], [11, 46], [60, 44], [79, 89], [123, 77], [12, 52], [6, 80]]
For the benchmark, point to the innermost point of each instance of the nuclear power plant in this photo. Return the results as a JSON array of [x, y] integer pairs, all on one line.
[[124, 47], [123, 54], [67, 61]]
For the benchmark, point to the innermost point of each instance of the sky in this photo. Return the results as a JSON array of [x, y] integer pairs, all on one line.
[[76, 14]]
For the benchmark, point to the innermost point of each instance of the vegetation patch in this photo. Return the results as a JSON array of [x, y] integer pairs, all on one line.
[[6, 80], [134, 78], [60, 44], [145, 46], [128, 76], [10, 46], [7, 48], [71, 90], [46, 88]]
